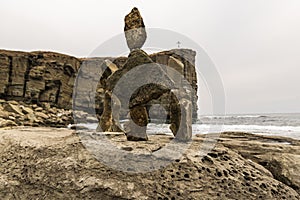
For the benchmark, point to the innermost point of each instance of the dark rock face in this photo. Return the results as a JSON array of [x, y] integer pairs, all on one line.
[[135, 32]]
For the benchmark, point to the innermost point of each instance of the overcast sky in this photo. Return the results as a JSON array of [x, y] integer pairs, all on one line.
[[254, 43]]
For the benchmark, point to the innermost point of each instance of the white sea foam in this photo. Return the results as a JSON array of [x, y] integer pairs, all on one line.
[[230, 116], [286, 131]]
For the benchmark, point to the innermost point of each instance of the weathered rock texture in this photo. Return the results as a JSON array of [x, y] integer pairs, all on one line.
[[47, 77], [135, 32], [13, 113], [53, 164], [139, 84], [280, 155], [187, 58], [109, 121], [38, 77]]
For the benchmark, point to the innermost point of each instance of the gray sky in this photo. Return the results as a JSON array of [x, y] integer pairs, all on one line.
[[253, 43]]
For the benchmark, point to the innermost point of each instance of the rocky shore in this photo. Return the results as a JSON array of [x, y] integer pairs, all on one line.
[[42, 159], [52, 163], [13, 113]]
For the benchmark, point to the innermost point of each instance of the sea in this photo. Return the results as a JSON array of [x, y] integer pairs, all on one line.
[[287, 125]]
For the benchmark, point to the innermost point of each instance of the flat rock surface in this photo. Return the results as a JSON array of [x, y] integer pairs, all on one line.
[[53, 163]]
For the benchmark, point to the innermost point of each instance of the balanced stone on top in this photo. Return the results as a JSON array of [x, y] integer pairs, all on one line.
[[135, 32]]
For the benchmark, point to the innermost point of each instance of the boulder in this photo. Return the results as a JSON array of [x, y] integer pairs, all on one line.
[[147, 93], [140, 75], [184, 133], [38, 109], [13, 108], [41, 115], [107, 122], [6, 123], [136, 58], [31, 118], [4, 114], [135, 32], [26, 110], [135, 129]]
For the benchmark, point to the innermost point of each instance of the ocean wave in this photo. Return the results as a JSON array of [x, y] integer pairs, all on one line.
[[286, 131], [231, 116]]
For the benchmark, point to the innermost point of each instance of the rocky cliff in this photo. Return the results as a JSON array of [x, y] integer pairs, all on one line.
[[38, 77], [47, 77]]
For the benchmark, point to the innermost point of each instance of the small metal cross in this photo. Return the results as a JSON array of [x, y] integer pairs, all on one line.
[[178, 43]]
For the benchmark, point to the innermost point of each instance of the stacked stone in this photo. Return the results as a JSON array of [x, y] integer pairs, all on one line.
[[180, 112], [134, 29]]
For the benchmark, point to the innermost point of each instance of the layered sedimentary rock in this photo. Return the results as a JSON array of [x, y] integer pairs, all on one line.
[[47, 77], [38, 77]]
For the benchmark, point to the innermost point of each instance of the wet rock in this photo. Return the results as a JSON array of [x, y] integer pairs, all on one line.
[[135, 32]]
